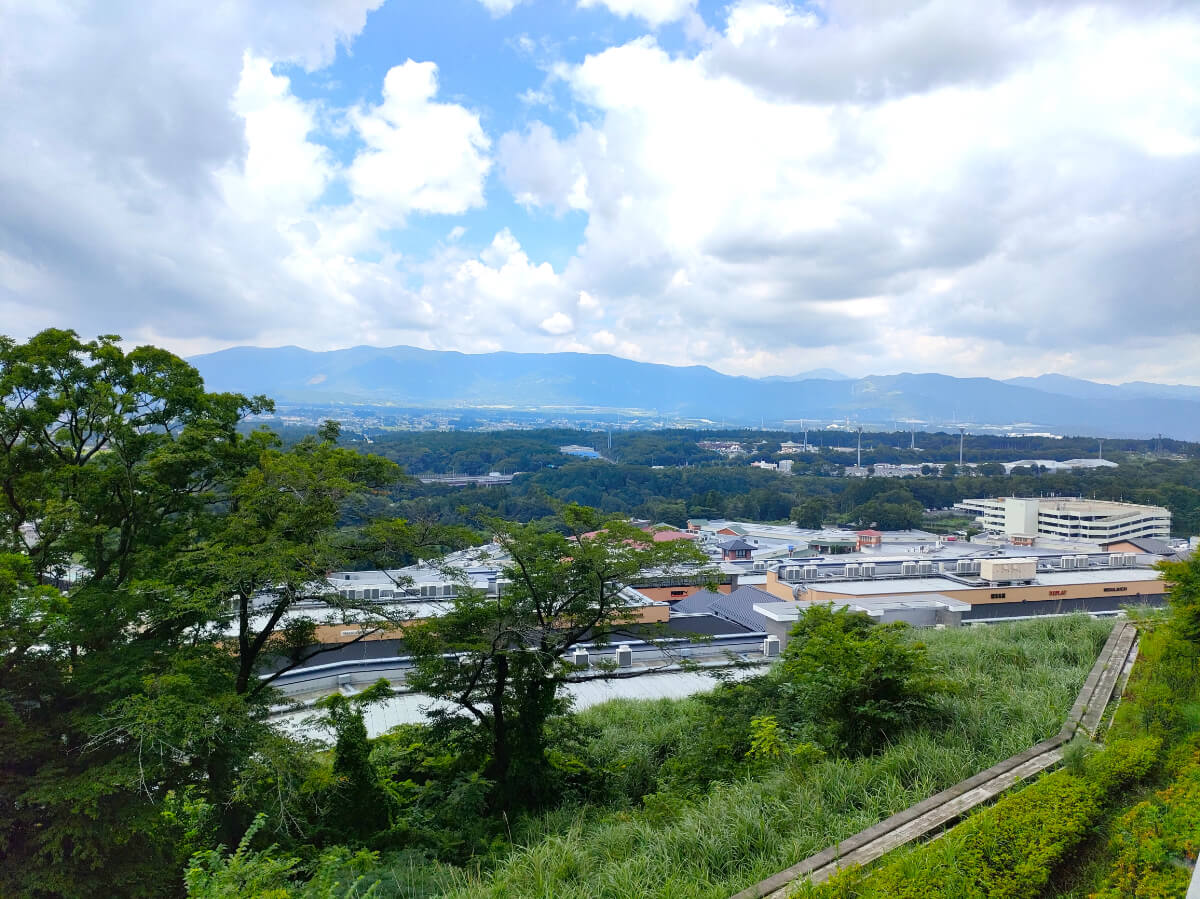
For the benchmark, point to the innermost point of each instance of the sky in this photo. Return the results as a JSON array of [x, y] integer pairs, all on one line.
[[992, 189]]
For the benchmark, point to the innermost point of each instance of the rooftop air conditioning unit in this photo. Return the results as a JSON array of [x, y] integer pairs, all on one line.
[[503, 585], [1130, 559], [1116, 560], [760, 566], [925, 568], [853, 571], [810, 572], [908, 568], [1066, 562], [868, 569], [1081, 561]]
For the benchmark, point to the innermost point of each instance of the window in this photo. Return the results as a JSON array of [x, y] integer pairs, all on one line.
[[679, 593]]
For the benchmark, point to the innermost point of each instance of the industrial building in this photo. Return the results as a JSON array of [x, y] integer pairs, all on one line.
[[1091, 521], [762, 576], [992, 584]]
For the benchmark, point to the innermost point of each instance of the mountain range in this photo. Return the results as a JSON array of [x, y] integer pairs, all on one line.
[[437, 379]]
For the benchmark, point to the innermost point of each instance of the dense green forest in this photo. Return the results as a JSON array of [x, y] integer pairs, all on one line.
[[478, 452], [673, 495], [153, 551], [666, 477]]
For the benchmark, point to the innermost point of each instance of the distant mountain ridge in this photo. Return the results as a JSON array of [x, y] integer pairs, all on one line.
[[1077, 387], [408, 376]]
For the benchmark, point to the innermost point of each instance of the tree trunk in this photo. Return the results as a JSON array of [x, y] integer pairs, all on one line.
[[498, 769], [231, 820]]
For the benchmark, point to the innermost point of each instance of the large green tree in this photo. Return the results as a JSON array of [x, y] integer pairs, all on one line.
[[160, 567], [111, 463], [502, 658]]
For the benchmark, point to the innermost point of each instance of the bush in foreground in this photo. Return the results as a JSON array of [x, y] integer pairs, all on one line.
[[1009, 849]]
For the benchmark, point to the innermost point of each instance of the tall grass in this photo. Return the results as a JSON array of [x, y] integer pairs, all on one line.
[[1017, 682]]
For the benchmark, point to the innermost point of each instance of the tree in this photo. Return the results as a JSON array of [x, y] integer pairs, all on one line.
[[253, 593], [1183, 582], [110, 463], [361, 805], [501, 658], [811, 513], [892, 510], [856, 682]]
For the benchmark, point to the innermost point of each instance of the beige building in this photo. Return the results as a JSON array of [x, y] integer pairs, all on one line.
[[1093, 521], [1009, 588]]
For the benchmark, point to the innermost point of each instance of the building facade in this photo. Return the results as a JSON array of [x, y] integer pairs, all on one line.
[[1093, 521]]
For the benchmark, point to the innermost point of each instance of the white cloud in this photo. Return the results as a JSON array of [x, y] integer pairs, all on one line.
[[557, 324], [500, 7], [281, 169], [749, 19], [971, 206], [917, 185], [420, 155], [653, 12]]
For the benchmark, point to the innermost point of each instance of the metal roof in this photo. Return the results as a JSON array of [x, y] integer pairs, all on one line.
[[934, 584]]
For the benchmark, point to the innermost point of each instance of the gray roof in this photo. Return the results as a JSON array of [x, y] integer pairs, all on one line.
[[736, 543], [737, 606], [698, 603]]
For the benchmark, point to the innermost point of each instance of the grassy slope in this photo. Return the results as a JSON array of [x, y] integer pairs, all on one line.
[[1088, 869], [1018, 681]]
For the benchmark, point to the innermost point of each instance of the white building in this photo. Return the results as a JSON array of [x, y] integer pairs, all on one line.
[[1094, 521], [1053, 465], [790, 448]]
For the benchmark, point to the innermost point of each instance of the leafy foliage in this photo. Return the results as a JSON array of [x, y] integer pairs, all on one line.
[[857, 682], [1008, 849], [502, 658]]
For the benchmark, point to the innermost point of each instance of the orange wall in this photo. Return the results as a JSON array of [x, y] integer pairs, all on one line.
[[776, 587], [663, 594], [1031, 593], [1123, 547]]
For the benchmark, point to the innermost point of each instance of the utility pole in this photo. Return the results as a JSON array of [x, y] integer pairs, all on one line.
[[860, 446], [961, 436]]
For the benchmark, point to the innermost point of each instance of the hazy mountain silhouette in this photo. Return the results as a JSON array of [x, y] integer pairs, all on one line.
[[440, 379]]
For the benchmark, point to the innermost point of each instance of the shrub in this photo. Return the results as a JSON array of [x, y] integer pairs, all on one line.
[[1153, 839], [858, 682], [1009, 849]]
